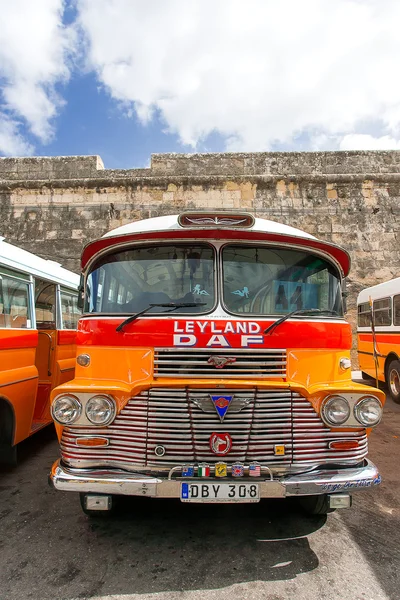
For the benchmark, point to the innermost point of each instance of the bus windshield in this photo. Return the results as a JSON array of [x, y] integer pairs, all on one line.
[[260, 280], [129, 281]]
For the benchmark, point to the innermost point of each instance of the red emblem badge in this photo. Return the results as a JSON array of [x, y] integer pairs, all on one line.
[[222, 402], [220, 443]]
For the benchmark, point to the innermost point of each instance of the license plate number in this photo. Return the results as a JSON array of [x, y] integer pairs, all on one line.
[[220, 492]]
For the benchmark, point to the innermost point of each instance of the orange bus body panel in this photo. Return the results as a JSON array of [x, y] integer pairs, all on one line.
[[26, 357], [386, 343], [55, 361], [19, 377]]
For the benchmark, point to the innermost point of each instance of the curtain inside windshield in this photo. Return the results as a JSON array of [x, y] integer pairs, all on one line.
[[127, 282], [276, 281]]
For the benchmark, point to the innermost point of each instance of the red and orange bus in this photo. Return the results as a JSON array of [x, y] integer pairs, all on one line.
[[378, 334], [213, 365], [38, 317]]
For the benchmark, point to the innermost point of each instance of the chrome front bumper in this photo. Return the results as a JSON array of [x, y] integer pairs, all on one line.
[[314, 482]]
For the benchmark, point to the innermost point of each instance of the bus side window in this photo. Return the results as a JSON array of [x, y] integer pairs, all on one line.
[[364, 315], [14, 303], [45, 305], [70, 312], [396, 310], [383, 312]]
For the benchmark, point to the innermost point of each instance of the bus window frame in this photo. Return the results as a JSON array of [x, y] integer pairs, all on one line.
[[29, 281], [49, 282], [215, 247], [57, 304], [221, 299], [393, 311], [390, 298], [366, 312], [65, 290]]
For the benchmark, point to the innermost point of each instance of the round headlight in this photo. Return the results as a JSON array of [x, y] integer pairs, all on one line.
[[100, 410], [368, 411], [336, 410], [66, 409]]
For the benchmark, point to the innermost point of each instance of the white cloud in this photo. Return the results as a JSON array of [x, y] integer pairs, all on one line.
[[358, 141], [12, 142], [259, 72], [33, 53], [264, 74]]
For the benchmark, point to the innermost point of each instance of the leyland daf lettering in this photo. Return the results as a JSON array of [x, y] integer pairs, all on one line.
[[231, 327], [213, 365], [186, 333]]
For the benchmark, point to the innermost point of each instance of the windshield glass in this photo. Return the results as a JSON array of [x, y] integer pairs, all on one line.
[[276, 281], [128, 281]]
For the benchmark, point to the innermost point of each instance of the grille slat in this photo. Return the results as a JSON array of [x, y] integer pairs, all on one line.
[[269, 363], [182, 421]]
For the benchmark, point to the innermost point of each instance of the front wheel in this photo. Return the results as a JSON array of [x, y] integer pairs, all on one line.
[[393, 380], [316, 505], [86, 502], [8, 455]]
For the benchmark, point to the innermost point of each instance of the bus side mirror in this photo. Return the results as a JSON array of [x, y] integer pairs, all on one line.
[[344, 295], [81, 293]]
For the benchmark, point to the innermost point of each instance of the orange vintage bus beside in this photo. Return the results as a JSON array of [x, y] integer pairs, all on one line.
[[379, 341], [213, 365], [38, 316]]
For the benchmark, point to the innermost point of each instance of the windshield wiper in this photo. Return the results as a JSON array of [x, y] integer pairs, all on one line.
[[309, 311], [172, 305]]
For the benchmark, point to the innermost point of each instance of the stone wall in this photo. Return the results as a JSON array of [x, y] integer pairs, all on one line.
[[53, 206]]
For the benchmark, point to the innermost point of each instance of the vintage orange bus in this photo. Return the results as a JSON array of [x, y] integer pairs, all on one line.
[[378, 334], [213, 365], [38, 317]]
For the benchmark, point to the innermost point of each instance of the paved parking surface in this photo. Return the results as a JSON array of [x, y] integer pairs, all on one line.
[[165, 550]]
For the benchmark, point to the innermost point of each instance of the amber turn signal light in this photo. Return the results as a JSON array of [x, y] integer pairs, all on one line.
[[92, 442], [344, 445]]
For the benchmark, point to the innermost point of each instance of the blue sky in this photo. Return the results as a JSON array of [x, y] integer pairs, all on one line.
[[91, 123], [128, 78]]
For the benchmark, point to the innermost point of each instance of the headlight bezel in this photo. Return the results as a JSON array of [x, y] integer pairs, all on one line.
[[358, 406], [353, 399], [78, 409], [325, 405], [83, 398], [111, 403]]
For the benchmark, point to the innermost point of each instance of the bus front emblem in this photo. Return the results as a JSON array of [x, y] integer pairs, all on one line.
[[219, 362], [221, 404], [220, 443]]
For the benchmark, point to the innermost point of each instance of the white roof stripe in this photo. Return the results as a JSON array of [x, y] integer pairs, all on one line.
[[26, 262], [381, 290], [169, 222]]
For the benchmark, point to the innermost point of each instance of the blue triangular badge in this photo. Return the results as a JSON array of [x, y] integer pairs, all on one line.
[[221, 404]]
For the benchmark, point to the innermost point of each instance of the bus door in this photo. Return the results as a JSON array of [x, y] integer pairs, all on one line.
[[46, 324], [66, 336], [57, 315]]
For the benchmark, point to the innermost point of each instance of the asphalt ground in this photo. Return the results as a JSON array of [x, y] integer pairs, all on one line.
[[158, 549]]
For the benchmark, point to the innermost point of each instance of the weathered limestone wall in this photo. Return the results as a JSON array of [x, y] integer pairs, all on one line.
[[53, 206]]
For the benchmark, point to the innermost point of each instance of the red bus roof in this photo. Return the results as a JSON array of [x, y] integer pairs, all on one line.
[[212, 226]]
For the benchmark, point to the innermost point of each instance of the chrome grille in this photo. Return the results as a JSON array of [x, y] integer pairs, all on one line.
[[195, 363], [173, 418]]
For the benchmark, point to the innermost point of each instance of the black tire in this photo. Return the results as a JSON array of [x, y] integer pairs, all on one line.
[[8, 455], [316, 505], [8, 451], [98, 514], [393, 380]]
